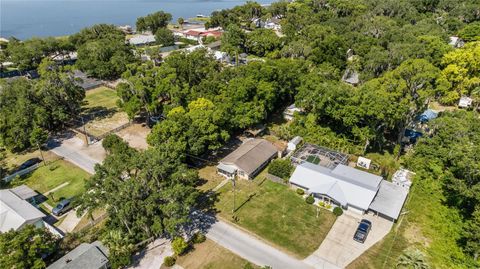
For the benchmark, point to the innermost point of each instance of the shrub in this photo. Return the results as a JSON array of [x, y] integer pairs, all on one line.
[[169, 261], [337, 211], [300, 191], [310, 200], [179, 245], [248, 266], [321, 203], [327, 206], [199, 238], [280, 168]]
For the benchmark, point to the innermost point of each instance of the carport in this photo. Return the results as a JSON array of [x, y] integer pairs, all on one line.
[[388, 202]]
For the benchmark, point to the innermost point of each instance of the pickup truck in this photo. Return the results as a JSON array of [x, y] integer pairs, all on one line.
[[362, 231]]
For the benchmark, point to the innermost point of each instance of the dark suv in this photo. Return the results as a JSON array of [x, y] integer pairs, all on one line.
[[362, 231]]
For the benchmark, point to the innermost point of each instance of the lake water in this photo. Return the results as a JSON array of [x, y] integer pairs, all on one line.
[[27, 18]]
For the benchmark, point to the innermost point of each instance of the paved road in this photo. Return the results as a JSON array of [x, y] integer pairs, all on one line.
[[250, 248], [75, 156]]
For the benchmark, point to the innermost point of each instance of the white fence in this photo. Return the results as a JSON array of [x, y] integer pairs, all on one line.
[[21, 172]]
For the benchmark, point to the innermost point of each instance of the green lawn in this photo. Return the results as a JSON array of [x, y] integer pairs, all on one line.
[[48, 177], [277, 214], [101, 97]]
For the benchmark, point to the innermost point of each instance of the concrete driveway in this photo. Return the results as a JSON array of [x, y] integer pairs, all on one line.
[[339, 249]]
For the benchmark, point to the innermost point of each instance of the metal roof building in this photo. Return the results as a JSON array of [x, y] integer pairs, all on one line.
[[351, 188], [248, 159], [15, 212], [85, 256]]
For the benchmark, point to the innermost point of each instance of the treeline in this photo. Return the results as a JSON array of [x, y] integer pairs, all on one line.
[[30, 109], [449, 159]]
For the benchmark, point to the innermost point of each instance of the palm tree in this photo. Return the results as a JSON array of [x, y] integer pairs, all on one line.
[[181, 21], [412, 258]]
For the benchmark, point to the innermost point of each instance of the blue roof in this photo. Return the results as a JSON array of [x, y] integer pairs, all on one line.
[[428, 115]]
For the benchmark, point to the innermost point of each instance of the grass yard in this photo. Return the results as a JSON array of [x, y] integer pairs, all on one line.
[[101, 97], [209, 255], [276, 213], [53, 175], [101, 104], [209, 177], [14, 160]]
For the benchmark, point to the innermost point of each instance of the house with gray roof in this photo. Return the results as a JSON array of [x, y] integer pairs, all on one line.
[[350, 189], [16, 212], [248, 159], [85, 256]]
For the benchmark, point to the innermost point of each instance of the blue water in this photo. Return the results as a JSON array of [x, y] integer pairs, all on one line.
[[27, 18]]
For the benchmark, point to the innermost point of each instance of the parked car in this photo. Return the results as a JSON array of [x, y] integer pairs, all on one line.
[[29, 163], [62, 207], [362, 231]]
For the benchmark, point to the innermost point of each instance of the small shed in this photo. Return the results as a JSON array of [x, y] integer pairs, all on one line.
[[293, 144], [255, 131], [465, 102], [290, 111]]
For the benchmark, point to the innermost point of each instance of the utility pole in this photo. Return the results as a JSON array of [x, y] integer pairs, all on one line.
[[233, 183]]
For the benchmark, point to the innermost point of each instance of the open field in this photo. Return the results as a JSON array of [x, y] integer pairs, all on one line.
[[276, 213], [48, 177], [209, 255], [101, 112], [101, 97]]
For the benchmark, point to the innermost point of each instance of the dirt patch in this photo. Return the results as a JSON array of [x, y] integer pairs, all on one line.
[[135, 135], [210, 255]]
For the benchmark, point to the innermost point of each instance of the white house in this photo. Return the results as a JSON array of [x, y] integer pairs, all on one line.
[[85, 256], [289, 112], [456, 42], [293, 144], [465, 102], [248, 159], [16, 212], [351, 189], [141, 40]]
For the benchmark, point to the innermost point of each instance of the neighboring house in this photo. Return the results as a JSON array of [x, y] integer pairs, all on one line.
[[82, 80], [293, 144], [456, 42], [351, 189], [290, 111], [248, 159], [465, 102], [85, 256], [142, 40], [127, 29], [15, 210], [274, 24]]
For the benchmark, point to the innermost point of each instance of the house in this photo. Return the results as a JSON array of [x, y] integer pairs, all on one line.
[[85, 256], [290, 111], [293, 144], [82, 80], [15, 210], [126, 29], [456, 42], [350, 189], [273, 23], [428, 115], [465, 102], [142, 40], [248, 159]]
